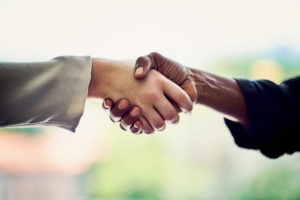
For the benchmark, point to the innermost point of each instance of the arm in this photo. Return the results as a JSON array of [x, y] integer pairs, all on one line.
[[54, 92], [266, 115], [44, 93], [219, 93], [273, 112]]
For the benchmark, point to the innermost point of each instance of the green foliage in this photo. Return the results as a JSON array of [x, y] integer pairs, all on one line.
[[275, 183]]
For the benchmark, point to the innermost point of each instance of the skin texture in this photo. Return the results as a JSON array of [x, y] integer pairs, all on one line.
[[217, 92], [115, 80]]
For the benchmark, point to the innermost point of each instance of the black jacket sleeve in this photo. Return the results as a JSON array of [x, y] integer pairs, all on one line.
[[274, 115]]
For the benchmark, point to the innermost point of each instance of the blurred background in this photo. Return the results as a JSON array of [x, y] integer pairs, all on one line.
[[196, 159]]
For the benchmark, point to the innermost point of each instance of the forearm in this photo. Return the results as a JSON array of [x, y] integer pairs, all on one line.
[[48, 93], [102, 73], [98, 69], [221, 94]]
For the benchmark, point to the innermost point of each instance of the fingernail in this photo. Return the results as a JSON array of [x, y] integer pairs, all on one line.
[[174, 121], [138, 132], [124, 125], [106, 104], [186, 111], [114, 118], [122, 105], [162, 128], [135, 112], [189, 113], [139, 71], [136, 126]]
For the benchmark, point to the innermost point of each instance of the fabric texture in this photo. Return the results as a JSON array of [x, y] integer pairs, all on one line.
[[274, 115], [44, 93]]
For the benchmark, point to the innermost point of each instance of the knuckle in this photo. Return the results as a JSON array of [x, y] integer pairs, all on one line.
[[141, 60], [134, 113], [152, 95], [123, 104], [158, 78], [155, 54]]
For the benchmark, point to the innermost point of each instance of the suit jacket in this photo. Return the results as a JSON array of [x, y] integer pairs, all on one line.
[[44, 93]]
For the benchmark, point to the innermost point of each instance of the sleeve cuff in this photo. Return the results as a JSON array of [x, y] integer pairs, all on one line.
[[265, 106], [45, 93], [76, 79]]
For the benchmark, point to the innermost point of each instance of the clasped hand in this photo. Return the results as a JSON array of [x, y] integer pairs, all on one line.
[[140, 98]]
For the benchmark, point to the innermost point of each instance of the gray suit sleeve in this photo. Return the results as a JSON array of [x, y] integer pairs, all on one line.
[[44, 93]]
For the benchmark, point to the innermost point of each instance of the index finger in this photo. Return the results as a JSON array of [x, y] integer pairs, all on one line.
[[178, 95]]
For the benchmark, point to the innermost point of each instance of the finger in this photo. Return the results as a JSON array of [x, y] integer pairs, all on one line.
[[175, 105], [130, 117], [136, 127], [124, 129], [166, 110], [175, 93], [154, 118], [119, 109], [142, 66], [146, 126], [162, 128], [111, 119], [190, 88], [107, 104], [176, 120]]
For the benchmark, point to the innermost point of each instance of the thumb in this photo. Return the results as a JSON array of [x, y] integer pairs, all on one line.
[[142, 67]]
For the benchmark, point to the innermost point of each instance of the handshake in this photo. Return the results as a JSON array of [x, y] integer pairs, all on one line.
[[142, 96]]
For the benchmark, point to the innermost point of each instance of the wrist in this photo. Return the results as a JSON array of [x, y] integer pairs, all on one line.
[[204, 86], [106, 75], [221, 94], [98, 72]]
